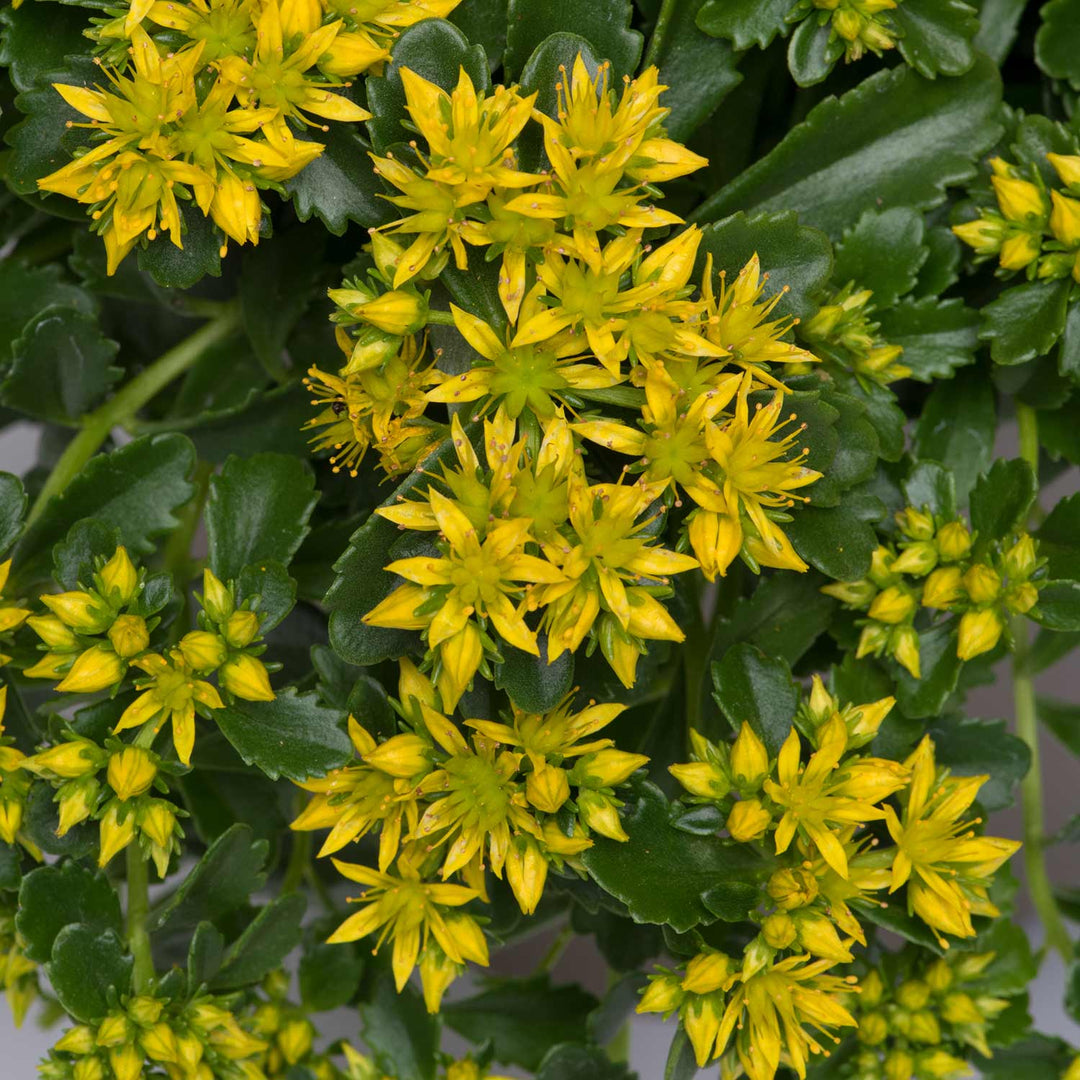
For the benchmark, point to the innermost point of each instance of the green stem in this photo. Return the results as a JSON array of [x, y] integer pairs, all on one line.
[[618, 1050], [176, 557], [299, 857], [695, 653], [440, 318], [656, 42], [1027, 728], [126, 403], [556, 949], [138, 906]]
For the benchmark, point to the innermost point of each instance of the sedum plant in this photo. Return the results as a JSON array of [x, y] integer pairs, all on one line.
[[515, 470]]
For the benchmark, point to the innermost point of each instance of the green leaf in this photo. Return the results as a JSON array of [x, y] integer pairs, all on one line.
[[26, 291], [1069, 354], [53, 897], [1025, 321], [205, 954], [1001, 499], [12, 509], [942, 266], [681, 1063], [605, 24], [930, 486], [937, 336], [264, 944], [796, 258], [1057, 44], [1036, 1058], [86, 964], [533, 684], [276, 592], [258, 508], [752, 686], [698, 71], [973, 747], [61, 368], [180, 268], [223, 879], [435, 50], [745, 22], [998, 24], [813, 51], [134, 489], [581, 1063], [892, 915], [484, 23], [270, 421], [329, 975], [661, 873], [292, 736], [1014, 966], [895, 140], [940, 668], [340, 185], [524, 1018], [36, 40], [1059, 539], [1050, 646], [935, 35], [838, 541], [883, 252], [1059, 606], [43, 142], [41, 821], [957, 427], [10, 869], [399, 1032]]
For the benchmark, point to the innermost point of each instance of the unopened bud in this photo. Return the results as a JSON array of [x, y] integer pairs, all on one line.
[[943, 588], [748, 820], [778, 930], [1020, 599], [793, 888], [129, 636], [873, 1029], [217, 601], [904, 645], [749, 759], [526, 872], [983, 584], [600, 814], [979, 632], [1020, 560], [246, 677], [953, 541], [893, 605], [131, 772], [82, 612], [917, 559], [547, 788], [915, 524], [403, 756], [241, 628], [119, 579], [606, 768], [96, 669]]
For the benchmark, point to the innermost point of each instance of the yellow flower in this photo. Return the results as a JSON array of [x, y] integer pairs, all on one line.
[[245, 677], [223, 27], [1067, 166], [398, 312], [131, 772], [984, 234], [945, 866], [819, 796], [749, 759], [979, 632], [171, 692], [1065, 219], [748, 820], [14, 784], [1020, 200], [67, 761], [409, 911]]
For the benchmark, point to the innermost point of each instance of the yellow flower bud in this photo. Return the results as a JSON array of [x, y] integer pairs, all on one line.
[[1020, 250], [848, 23], [749, 759], [969, 966], [547, 788], [821, 704], [1020, 200], [77, 800], [68, 761], [1073, 1071], [1067, 167], [941, 1065], [913, 994], [600, 813], [126, 1062], [403, 756], [748, 820], [295, 1039], [157, 820], [145, 1011], [53, 632], [938, 976], [526, 872], [873, 1029], [159, 1043], [558, 843], [899, 1065], [953, 541], [702, 778], [707, 972], [664, 994], [386, 252], [217, 601], [864, 722], [904, 644], [893, 605], [818, 936], [983, 584], [778, 930], [114, 1030], [855, 594], [467, 937], [872, 989], [924, 1028], [701, 1019], [958, 1008], [370, 351], [943, 588], [246, 677], [399, 312], [88, 1068], [131, 772], [241, 628], [437, 973], [50, 666], [203, 651], [95, 669], [77, 1040], [129, 636], [917, 559], [412, 684], [979, 632], [607, 768], [11, 817], [915, 524], [119, 578], [117, 831], [985, 235], [1020, 599], [1065, 219], [792, 888], [881, 573], [1021, 559]]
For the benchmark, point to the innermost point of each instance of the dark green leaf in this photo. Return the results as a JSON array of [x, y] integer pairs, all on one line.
[[998, 23], [957, 427], [1025, 321], [205, 954], [223, 879], [53, 897], [795, 257], [931, 487], [892, 915], [1050, 646], [180, 268], [940, 668], [942, 265], [1059, 539], [292, 736], [1057, 44], [532, 683], [937, 336], [36, 40], [10, 870], [935, 35], [340, 185], [399, 1032], [483, 22], [134, 489], [605, 24], [581, 1063], [1001, 499], [270, 421], [745, 22], [264, 944], [86, 964], [1059, 606], [661, 873], [698, 71], [523, 1017], [41, 821], [276, 592], [681, 1064], [329, 975], [43, 142], [258, 508], [813, 51], [895, 140], [753, 687], [1036, 1058], [61, 368], [972, 747], [1014, 966], [838, 541], [75, 557], [25, 291], [883, 252], [12, 509], [608, 1018]]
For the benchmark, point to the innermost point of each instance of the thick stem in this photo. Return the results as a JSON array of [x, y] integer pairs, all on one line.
[[1027, 728], [440, 318], [138, 906], [127, 402], [656, 42]]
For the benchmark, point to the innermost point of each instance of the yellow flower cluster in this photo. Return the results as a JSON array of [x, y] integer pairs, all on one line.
[[810, 815], [14, 785], [216, 119], [200, 1039], [861, 25], [288, 1034], [595, 315], [18, 973], [919, 1023], [843, 329], [516, 797], [12, 613], [94, 635], [1033, 229], [936, 566], [361, 1067]]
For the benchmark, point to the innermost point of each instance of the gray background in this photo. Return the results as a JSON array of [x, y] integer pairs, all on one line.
[[650, 1037]]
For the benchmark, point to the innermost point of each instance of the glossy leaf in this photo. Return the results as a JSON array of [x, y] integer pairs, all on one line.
[[12, 509], [753, 687], [937, 336], [973, 747], [264, 944], [25, 292], [36, 40], [1057, 44], [53, 897], [936, 35], [745, 22], [838, 541], [399, 1032], [813, 51], [580, 1063], [1025, 321], [532, 683], [180, 268], [1059, 606], [883, 252], [1001, 499], [86, 964]]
